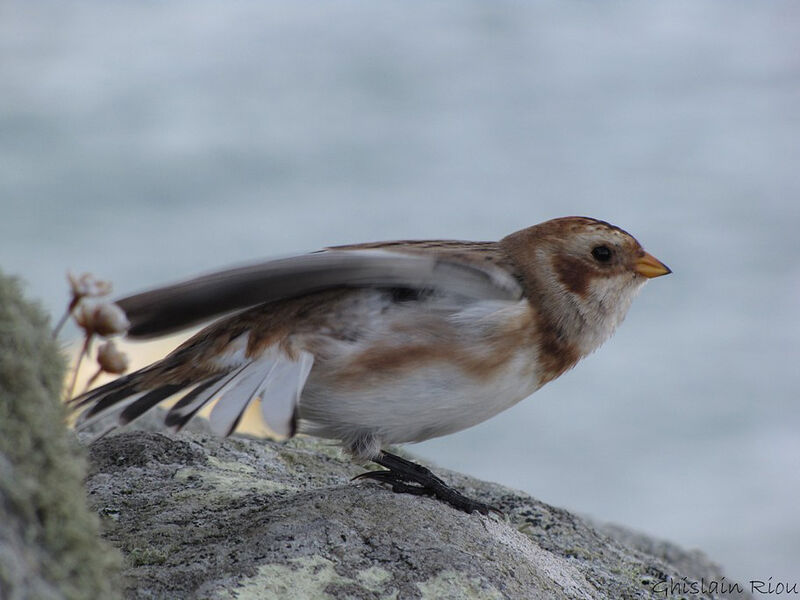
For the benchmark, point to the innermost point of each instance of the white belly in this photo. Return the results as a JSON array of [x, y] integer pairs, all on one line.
[[423, 404], [408, 385]]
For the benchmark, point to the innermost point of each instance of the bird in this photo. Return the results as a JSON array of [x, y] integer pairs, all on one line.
[[383, 343]]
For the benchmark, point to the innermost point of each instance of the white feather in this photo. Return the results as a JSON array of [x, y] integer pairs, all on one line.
[[280, 392], [207, 395], [235, 353], [274, 377], [234, 357], [235, 396]]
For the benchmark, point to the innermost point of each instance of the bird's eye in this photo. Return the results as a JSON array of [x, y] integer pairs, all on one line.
[[601, 253]]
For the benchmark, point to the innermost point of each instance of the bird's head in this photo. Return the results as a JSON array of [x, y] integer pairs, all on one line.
[[581, 274]]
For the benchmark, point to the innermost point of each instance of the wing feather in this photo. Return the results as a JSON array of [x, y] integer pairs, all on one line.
[[234, 400], [176, 418], [190, 405], [175, 307], [148, 401], [276, 379], [280, 394]]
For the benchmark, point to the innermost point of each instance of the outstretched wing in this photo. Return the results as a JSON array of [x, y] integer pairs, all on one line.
[[175, 307]]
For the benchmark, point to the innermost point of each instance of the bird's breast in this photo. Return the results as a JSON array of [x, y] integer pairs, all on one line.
[[424, 377]]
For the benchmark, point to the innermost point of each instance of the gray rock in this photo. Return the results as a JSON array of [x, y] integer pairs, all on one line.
[[49, 542], [196, 516], [203, 517]]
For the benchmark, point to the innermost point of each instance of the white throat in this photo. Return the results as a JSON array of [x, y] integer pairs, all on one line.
[[601, 311]]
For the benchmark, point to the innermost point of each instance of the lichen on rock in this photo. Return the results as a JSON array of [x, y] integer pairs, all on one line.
[[49, 542]]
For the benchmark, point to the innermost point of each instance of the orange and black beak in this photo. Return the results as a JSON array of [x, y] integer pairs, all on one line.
[[649, 266]]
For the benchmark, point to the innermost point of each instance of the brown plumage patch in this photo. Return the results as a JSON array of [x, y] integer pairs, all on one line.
[[266, 325], [275, 322], [556, 355], [573, 273], [387, 358], [565, 226], [192, 360], [480, 362], [520, 246]]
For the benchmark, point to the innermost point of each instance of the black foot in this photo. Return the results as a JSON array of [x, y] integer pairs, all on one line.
[[407, 477]]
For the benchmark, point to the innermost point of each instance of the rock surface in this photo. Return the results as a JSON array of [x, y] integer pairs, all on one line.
[[238, 518], [49, 542]]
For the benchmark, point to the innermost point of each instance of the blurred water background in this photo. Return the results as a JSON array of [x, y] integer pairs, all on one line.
[[151, 141]]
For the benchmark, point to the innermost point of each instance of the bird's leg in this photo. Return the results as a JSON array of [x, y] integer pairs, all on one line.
[[410, 478]]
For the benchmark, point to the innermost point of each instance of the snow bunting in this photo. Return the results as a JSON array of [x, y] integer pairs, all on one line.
[[384, 343]]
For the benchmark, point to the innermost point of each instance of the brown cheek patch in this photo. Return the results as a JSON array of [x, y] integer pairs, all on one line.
[[573, 273]]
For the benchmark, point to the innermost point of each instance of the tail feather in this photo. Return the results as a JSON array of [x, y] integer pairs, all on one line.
[[148, 401], [103, 390], [107, 399], [129, 397], [274, 376], [175, 417], [84, 420], [281, 391], [198, 398], [238, 394]]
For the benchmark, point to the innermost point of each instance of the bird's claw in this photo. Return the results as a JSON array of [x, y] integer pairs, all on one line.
[[406, 477]]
